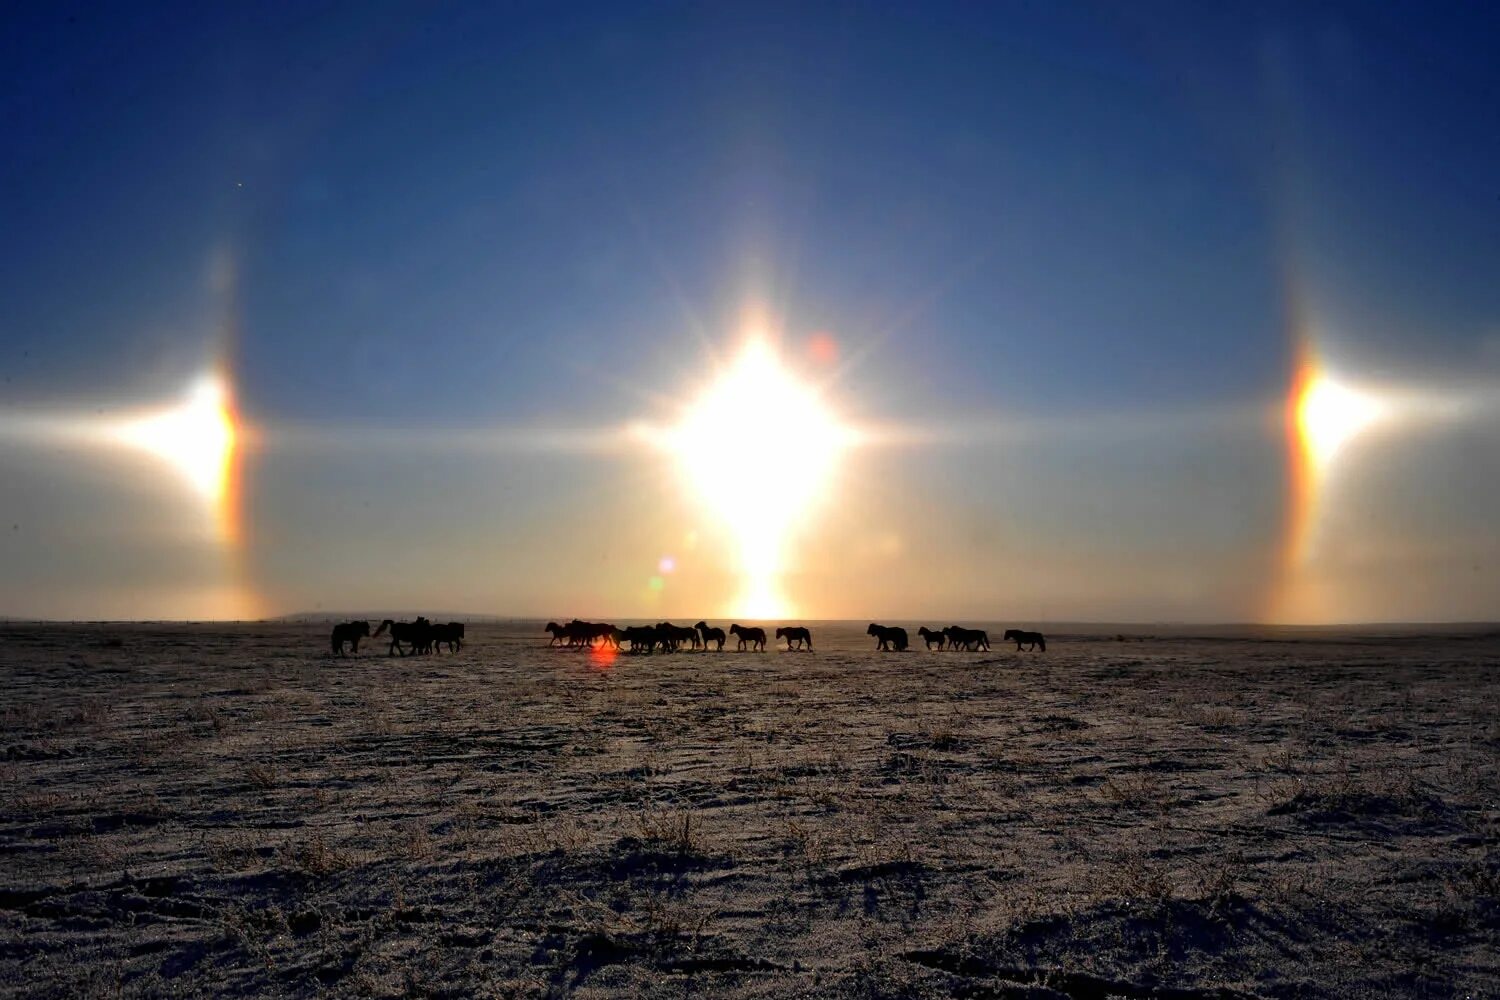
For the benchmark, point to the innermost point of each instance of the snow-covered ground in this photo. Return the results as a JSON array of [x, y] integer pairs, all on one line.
[[228, 810]]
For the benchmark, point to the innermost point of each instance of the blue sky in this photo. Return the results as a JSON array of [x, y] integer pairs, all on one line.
[[1083, 230]]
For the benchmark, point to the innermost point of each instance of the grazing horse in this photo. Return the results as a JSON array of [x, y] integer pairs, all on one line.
[[797, 632], [888, 637], [350, 632], [931, 636], [1033, 640], [968, 638], [716, 634], [417, 634], [754, 635], [452, 634]]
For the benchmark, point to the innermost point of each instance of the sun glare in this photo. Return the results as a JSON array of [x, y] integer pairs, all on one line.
[[196, 437], [1330, 414], [761, 450], [1324, 416]]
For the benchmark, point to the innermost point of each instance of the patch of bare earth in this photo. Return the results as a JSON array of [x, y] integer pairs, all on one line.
[[230, 811]]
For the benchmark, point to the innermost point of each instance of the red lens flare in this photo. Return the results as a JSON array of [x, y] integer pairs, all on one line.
[[822, 348], [603, 656]]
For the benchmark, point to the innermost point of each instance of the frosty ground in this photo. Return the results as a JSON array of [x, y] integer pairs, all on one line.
[[228, 810]]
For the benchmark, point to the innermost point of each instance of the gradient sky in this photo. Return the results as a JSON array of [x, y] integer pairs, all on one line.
[[1066, 258]]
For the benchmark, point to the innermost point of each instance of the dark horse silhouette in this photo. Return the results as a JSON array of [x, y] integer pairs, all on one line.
[[676, 635], [1033, 640], [797, 632], [715, 634], [642, 638], [753, 634], [350, 632], [931, 636], [417, 634], [888, 637], [968, 638], [451, 634]]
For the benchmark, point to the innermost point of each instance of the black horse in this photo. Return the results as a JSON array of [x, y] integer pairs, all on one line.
[[795, 632], [417, 635], [676, 635], [451, 634], [350, 632], [753, 634], [888, 637], [1032, 640], [968, 638], [642, 638], [714, 634], [931, 636]]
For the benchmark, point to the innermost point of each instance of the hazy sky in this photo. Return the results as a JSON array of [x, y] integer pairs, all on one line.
[[1054, 263]]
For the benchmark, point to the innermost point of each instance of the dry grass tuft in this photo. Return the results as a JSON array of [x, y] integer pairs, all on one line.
[[315, 856], [673, 829]]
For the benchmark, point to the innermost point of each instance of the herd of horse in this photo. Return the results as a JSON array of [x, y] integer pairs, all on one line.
[[954, 637], [407, 638], [426, 637], [668, 638]]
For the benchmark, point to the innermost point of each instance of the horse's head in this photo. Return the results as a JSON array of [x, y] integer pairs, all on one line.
[[553, 627], [873, 629], [701, 625], [736, 629], [780, 632], [361, 628], [1011, 633]]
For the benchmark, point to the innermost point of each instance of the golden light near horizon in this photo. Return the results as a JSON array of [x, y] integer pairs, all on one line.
[[761, 450]]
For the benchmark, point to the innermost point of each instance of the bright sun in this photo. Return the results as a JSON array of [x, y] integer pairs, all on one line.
[[761, 449], [1330, 414], [196, 437]]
